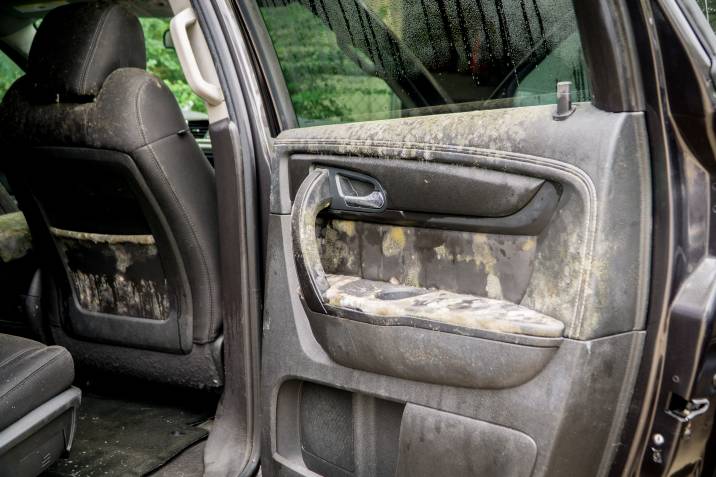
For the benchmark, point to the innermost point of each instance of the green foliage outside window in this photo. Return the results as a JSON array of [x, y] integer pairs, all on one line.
[[9, 72], [325, 85], [346, 61]]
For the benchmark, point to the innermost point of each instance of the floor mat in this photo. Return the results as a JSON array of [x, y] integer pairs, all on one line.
[[124, 438]]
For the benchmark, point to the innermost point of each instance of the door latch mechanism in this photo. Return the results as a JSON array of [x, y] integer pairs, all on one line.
[[690, 411]]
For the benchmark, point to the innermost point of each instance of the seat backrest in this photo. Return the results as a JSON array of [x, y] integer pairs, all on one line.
[[120, 200]]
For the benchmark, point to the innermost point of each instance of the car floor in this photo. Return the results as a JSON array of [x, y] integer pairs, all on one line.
[[189, 463], [132, 428]]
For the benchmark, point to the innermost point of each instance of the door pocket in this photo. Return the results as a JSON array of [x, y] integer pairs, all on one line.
[[425, 304]]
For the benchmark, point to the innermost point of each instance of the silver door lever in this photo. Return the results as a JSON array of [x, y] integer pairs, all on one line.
[[346, 197], [374, 200]]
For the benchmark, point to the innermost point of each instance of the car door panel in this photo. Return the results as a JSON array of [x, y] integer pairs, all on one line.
[[440, 301], [586, 231], [583, 379]]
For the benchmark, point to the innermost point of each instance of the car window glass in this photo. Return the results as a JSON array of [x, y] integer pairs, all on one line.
[[9, 72], [353, 60]]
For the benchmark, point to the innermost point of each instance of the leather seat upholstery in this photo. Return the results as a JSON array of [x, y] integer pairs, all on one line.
[[30, 374], [38, 405], [120, 200]]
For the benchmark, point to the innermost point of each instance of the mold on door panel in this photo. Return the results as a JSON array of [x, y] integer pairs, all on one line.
[[485, 265], [386, 302]]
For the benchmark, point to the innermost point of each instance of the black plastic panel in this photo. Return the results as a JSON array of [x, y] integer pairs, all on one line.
[[78, 191], [530, 220], [97, 213], [336, 433], [326, 423], [438, 189], [439, 443], [431, 356]]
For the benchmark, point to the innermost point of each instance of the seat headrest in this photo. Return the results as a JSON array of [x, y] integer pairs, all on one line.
[[77, 46]]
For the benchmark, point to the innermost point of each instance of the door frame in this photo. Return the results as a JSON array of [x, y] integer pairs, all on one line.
[[629, 78]]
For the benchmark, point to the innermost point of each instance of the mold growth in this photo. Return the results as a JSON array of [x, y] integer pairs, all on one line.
[[382, 299], [15, 239], [485, 265], [119, 296], [115, 274], [393, 242]]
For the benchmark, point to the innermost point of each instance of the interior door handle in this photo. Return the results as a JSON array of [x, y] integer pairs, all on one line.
[[346, 197], [325, 188], [374, 200]]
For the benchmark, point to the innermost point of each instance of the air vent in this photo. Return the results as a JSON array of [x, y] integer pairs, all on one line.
[[199, 128]]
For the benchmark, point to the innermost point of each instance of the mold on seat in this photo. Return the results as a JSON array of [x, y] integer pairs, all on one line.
[[15, 239], [116, 274]]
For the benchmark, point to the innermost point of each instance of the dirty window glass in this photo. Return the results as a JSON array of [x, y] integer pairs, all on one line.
[[9, 72], [353, 60]]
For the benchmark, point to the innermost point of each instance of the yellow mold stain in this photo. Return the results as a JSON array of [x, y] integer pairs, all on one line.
[[484, 256], [529, 244], [483, 253], [345, 226], [442, 253], [393, 242]]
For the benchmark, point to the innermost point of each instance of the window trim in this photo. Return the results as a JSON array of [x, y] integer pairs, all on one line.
[[610, 52]]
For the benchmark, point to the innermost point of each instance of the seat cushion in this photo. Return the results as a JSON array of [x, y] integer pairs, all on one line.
[[30, 375]]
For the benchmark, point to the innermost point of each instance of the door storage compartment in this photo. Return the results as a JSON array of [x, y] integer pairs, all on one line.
[[430, 355], [432, 305], [439, 443], [335, 432], [340, 433]]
